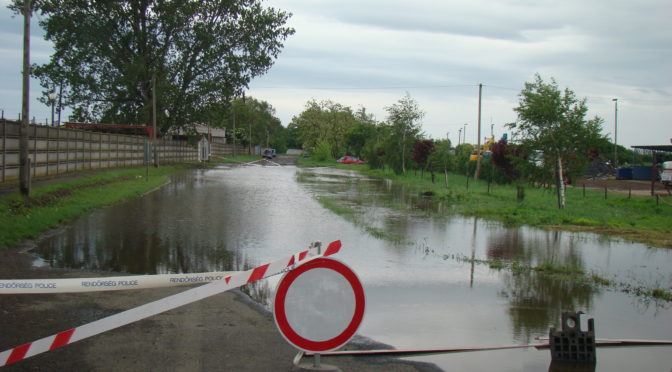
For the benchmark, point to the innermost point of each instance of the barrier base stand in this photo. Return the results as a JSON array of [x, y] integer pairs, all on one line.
[[315, 366]]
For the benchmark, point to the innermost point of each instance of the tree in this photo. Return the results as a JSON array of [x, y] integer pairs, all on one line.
[[363, 132], [553, 123], [404, 117], [327, 122], [509, 159], [441, 159], [374, 149], [462, 153], [201, 52], [254, 118], [422, 149]]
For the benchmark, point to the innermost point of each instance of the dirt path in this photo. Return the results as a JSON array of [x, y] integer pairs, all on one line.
[[286, 160], [226, 332], [641, 188]]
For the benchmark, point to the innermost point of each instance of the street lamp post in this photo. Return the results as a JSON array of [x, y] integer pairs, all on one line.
[[465, 133], [615, 131], [52, 100]]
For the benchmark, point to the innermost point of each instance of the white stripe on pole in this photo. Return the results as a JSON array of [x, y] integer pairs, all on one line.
[[168, 303]]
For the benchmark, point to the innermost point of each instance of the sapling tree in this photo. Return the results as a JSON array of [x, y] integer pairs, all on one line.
[[404, 118], [552, 122]]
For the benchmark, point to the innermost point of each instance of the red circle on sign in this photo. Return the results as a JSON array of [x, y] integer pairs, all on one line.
[[280, 314]]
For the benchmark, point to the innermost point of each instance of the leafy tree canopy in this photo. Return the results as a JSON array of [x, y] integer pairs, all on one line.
[[404, 118], [422, 149], [254, 118], [503, 157], [200, 51], [552, 123], [327, 122]]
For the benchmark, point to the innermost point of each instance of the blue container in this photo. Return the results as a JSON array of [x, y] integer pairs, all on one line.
[[641, 173], [624, 173]]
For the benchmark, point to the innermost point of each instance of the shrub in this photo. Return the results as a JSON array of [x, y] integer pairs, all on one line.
[[322, 151]]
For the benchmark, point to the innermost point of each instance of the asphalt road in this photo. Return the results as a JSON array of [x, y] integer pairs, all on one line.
[[225, 332]]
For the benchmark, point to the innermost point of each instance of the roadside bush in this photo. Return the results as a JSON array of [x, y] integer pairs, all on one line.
[[322, 151]]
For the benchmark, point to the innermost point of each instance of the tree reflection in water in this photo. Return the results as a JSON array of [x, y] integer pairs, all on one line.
[[536, 299], [537, 302]]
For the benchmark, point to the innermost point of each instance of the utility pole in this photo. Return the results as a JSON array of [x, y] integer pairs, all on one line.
[[60, 102], [52, 100], [249, 128], [478, 144], [233, 111], [156, 152], [615, 132], [459, 136], [24, 161]]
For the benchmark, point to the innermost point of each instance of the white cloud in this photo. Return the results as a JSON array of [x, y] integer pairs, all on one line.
[[370, 52], [600, 50]]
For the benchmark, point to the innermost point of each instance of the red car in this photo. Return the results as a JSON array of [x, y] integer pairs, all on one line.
[[350, 160]]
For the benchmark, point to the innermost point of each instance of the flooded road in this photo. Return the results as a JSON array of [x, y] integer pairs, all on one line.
[[426, 279]]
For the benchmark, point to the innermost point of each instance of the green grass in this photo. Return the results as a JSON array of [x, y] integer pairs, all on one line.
[[636, 219], [553, 268], [57, 203], [336, 207], [351, 214], [312, 162], [661, 294]]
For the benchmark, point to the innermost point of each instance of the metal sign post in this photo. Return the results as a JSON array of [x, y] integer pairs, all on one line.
[[147, 158]]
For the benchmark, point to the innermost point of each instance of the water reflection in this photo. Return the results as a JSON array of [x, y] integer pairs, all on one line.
[[536, 302], [233, 219], [514, 244], [508, 244]]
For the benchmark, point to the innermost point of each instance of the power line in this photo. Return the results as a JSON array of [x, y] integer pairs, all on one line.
[[369, 88]]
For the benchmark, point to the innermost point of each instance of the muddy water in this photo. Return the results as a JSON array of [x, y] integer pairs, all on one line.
[[421, 291]]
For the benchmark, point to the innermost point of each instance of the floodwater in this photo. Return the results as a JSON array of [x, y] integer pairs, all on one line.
[[422, 289]]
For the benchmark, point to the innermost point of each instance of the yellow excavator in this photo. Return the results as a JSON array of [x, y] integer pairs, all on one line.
[[485, 151]]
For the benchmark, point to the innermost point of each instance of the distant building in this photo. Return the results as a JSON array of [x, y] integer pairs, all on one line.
[[213, 134], [132, 130]]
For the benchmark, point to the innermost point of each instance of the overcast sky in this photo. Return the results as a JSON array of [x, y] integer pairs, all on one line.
[[370, 53]]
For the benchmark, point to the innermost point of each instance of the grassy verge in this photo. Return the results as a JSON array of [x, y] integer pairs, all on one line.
[[351, 215], [552, 270], [639, 219], [312, 162], [53, 204]]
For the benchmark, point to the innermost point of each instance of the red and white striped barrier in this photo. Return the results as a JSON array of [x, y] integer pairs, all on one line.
[[168, 303], [109, 283]]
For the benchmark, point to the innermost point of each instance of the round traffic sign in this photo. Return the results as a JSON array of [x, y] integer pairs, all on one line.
[[319, 305]]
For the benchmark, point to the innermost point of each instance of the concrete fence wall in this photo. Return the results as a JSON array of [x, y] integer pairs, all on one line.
[[54, 150], [219, 150]]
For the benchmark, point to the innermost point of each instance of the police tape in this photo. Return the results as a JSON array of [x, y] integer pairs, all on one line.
[[113, 283], [168, 303]]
